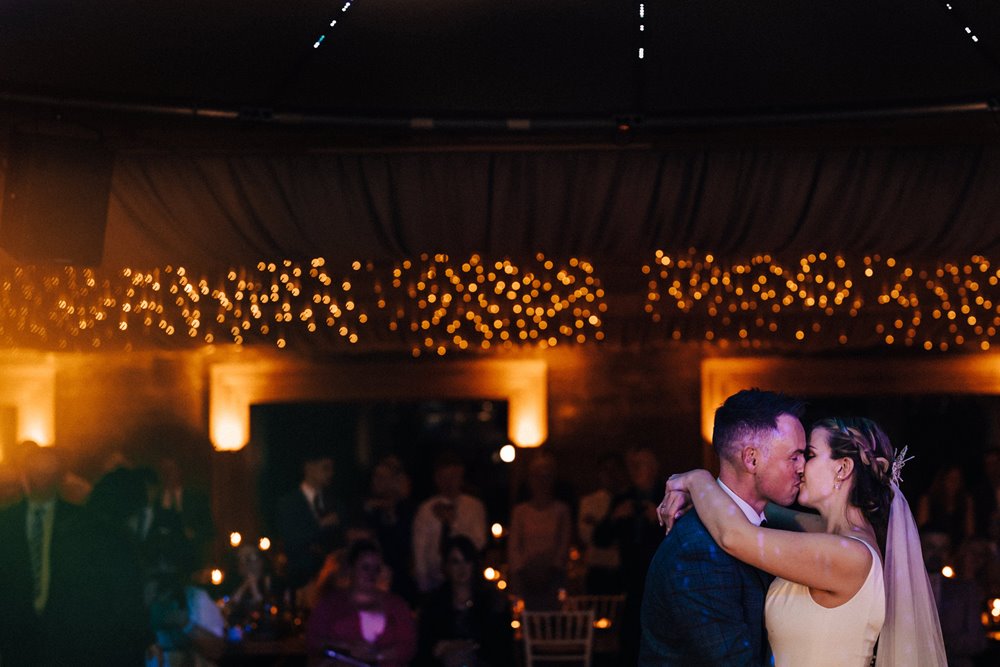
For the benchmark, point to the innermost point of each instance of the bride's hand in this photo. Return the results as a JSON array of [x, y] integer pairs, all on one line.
[[677, 498]]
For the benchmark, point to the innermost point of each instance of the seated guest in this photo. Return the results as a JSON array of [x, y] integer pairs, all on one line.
[[465, 621], [538, 545], [189, 627], [309, 521], [363, 621]]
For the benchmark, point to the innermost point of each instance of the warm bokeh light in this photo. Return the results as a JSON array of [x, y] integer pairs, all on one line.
[[602, 623], [217, 577], [264, 543], [515, 624], [497, 530], [502, 585], [491, 574], [508, 453], [235, 539], [948, 571]]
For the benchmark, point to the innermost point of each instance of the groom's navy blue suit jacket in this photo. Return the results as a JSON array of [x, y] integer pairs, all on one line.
[[701, 606]]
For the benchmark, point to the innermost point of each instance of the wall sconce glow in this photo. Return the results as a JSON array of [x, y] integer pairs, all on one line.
[[508, 453], [217, 576], [948, 571], [229, 433], [497, 530], [235, 539], [264, 544], [35, 427]]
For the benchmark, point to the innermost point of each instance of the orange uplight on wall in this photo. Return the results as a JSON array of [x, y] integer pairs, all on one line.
[[228, 432]]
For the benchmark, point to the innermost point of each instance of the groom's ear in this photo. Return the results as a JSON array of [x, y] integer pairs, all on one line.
[[749, 456]]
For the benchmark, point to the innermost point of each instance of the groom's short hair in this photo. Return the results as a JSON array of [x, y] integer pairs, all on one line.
[[748, 414]]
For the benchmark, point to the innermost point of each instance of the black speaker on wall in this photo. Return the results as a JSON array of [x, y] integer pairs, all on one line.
[[55, 206]]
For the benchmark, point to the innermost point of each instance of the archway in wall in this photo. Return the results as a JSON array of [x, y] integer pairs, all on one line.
[[238, 389]]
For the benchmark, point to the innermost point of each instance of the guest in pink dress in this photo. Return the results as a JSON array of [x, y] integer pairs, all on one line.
[[363, 621]]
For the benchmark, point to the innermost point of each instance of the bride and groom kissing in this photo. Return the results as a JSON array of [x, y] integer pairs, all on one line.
[[741, 579]]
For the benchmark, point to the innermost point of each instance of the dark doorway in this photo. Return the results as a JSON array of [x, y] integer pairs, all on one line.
[[358, 434]]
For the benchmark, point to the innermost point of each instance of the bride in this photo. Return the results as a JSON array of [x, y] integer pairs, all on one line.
[[832, 597]]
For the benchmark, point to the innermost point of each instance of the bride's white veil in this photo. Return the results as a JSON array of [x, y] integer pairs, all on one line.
[[911, 634]]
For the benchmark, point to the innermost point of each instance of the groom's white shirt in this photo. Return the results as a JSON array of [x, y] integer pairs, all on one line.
[[752, 516]]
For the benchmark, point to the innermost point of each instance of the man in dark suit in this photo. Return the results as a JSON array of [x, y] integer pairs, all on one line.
[[310, 521], [70, 593], [702, 606]]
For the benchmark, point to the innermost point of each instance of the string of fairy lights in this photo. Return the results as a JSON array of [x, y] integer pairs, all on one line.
[[437, 304], [431, 304], [824, 301]]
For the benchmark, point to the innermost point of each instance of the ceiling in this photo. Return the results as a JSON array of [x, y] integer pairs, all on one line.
[[475, 59], [249, 131]]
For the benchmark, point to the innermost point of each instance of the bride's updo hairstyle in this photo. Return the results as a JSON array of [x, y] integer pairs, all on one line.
[[868, 446]]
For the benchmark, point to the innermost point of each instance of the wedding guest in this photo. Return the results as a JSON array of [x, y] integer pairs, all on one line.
[[190, 507], [959, 602], [466, 621], [71, 588], [538, 543], [189, 627], [947, 506], [602, 560], [388, 512], [635, 528], [310, 521], [364, 621], [450, 512]]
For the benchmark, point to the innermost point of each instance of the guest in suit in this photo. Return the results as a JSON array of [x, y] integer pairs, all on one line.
[[188, 507], [71, 585], [388, 512], [309, 521], [633, 527], [364, 621], [702, 606]]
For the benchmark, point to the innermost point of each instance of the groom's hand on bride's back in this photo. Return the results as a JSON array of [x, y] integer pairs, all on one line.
[[674, 505]]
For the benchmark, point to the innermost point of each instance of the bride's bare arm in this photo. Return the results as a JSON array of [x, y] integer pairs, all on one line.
[[821, 561]]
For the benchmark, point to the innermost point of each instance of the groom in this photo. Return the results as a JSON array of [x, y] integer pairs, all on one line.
[[702, 606]]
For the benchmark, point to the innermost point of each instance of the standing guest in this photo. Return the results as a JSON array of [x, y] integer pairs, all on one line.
[[191, 508], [71, 590], [450, 512], [465, 621], [602, 560], [635, 527], [959, 603], [363, 622], [310, 522], [388, 513], [947, 506], [538, 543]]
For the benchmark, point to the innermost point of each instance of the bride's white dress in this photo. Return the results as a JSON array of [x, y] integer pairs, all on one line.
[[805, 634]]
